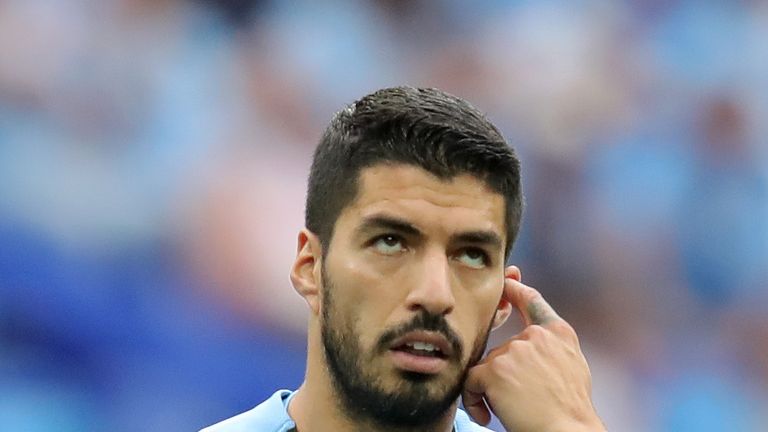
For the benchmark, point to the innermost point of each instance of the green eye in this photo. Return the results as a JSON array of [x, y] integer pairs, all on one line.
[[388, 244], [474, 258]]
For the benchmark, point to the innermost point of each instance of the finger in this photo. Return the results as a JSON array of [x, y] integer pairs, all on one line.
[[529, 302], [514, 273], [473, 397]]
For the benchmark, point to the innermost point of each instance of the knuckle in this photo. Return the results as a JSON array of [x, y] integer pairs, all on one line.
[[564, 329], [513, 348], [560, 326], [517, 344], [536, 331], [501, 365]]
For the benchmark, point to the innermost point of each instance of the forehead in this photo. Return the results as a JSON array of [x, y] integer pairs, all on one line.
[[407, 191]]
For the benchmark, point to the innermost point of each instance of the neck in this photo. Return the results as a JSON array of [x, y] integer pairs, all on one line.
[[317, 407]]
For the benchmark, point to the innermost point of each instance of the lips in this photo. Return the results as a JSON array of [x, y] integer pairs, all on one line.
[[424, 343], [421, 352]]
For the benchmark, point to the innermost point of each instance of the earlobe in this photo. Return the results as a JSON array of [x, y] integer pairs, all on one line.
[[306, 269]]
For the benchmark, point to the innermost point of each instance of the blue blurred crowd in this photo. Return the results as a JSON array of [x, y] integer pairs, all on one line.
[[153, 159]]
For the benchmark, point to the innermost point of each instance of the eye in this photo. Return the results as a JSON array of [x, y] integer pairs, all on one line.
[[473, 257], [388, 244]]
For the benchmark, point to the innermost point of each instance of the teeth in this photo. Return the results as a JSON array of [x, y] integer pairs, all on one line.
[[423, 346]]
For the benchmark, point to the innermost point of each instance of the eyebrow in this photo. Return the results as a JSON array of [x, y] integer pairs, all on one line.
[[388, 222], [488, 238], [379, 221]]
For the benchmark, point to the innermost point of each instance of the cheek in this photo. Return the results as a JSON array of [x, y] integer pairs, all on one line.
[[367, 298], [477, 309], [370, 283]]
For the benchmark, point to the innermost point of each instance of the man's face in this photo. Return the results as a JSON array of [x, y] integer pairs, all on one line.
[[411, 282]]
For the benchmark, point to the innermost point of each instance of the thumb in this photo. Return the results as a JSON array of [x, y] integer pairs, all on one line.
[[473, 397]]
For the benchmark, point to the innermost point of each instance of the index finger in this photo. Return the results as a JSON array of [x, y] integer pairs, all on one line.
[[529, 302]]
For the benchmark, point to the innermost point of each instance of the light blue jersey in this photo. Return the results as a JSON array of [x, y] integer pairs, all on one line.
[[272, 416]]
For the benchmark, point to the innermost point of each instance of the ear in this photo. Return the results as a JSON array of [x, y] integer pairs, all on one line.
[[504, 308], [305, 272], [503, 311]]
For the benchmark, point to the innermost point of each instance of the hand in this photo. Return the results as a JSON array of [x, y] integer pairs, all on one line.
[[538, 380]]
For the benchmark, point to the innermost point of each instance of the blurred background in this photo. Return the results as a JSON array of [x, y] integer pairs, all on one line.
[[153, 159]]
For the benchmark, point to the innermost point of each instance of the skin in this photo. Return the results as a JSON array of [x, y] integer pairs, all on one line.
[[452, 264]]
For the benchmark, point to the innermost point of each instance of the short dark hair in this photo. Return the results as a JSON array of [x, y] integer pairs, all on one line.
[[424, 127]]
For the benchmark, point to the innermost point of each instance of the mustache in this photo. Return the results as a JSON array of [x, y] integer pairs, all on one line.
[[423, 321]]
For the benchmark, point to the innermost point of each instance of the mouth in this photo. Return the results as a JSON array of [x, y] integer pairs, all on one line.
[[421, 352]]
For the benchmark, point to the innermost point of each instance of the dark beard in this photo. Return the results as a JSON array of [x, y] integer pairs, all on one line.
[[362, 397]]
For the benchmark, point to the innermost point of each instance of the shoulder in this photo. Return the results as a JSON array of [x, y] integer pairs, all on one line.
[[269, 416], [464, 424]]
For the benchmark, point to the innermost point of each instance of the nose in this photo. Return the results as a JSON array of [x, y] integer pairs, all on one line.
[[432, 290]]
